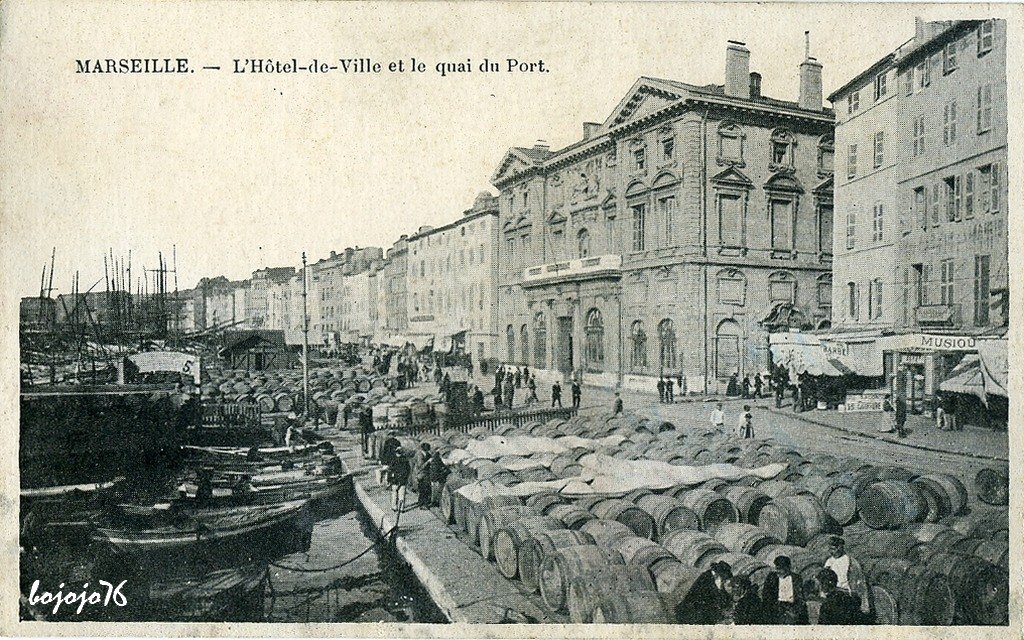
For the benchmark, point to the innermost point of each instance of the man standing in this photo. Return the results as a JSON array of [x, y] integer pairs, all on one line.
[[782, 595], [718, 418], [669, 395], [398, 475], [366, 428], [837, 606], [661, 389], [900, 415], [422, 474], [556, 394], [577, 394], [617, 405], [510, 391], [531, 384], [849, 574], [745, 426], [757, 385]]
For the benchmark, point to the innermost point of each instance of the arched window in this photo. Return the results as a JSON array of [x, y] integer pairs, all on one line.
[[782, 148], [730, 143], [540, 341], [826, 153], [583, 243], [524, 344], [727, 349], [667, 344], [782, 287], [594, 349], [638, 358], [510, 335]]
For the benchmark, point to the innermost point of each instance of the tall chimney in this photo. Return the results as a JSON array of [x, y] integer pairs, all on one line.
[[737, 70], [810, 79], [590, 129]]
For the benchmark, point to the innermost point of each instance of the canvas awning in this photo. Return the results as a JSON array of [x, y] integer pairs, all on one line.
[[803, 353], [995, 366], [421, 341], [966, 377]]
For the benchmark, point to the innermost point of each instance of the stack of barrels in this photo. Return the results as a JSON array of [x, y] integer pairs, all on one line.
[[931, 555]]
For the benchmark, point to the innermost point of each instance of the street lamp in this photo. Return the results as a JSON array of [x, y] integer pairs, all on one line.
[[305, 343]]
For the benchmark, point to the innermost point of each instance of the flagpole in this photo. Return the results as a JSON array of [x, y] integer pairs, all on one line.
[[305, 341]]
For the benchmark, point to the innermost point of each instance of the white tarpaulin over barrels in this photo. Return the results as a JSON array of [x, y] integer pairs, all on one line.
[[494, 447]]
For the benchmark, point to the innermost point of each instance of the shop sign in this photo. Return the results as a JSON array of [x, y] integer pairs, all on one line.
[[912, 358], [865, 403], [949, 343], [833, 348]]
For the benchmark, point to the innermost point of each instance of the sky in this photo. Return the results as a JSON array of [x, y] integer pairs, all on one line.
[[240, 171]]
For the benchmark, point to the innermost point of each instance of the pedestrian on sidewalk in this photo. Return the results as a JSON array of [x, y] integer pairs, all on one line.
[[745, 428], [497, 396], [478, 401], [577, 393], [531, 384], [757, 385], [746, 387], [681, 385], [718, 418], [556, 394], [398, 475], [346, 413], [510, 391], [365, 429], [617, 405], [438, 472], [661, 389], [900, 416], [422, 475], [669, 395], [519, 379]]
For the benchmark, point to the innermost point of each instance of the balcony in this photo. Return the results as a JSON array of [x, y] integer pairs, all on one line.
[[606, 266]]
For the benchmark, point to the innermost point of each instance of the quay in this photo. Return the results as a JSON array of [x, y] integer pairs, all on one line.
[[463, 585]]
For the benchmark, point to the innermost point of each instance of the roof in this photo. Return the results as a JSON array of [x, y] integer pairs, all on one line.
[[871, 71], [534, 153], [937, 41]]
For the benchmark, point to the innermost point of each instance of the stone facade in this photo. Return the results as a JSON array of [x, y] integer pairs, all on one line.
[[672, 237]]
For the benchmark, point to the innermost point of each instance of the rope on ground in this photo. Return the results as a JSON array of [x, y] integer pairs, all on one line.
[[362, 553]]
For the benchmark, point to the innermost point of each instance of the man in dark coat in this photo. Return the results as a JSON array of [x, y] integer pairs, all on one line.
[[661, 390], [782, 595], [438, 473], [900, 416], [577, 394], [758, 385], [837, 606], [617, 405], [365, 428], [388, 449], [708, 598], [669, 393], [556, 394], [747, 607]]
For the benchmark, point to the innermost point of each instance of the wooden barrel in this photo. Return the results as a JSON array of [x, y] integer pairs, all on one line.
[[980, 588], [638, 520], [639, 551], [673, 580], [585, 591], [838, 499], [283, 401], [868, 476], [993, 486], [715, 484], [544, 501], [669, 514], [781, 488], [495, 519], [534, 549], [265, 401], [451, 485], [891, 504], [692, 548], [475, 512], [794, 519], [537, 474], [746, 566], [874, 544], [565, 466], [632, 607], [747, 501], [744, 538], [570, 515], [945, 495], [711, 508], [509, 539], [563, 565], [993, 525], [606, 532]]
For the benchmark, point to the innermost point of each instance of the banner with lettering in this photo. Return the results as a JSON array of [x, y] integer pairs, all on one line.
[[151, 361]]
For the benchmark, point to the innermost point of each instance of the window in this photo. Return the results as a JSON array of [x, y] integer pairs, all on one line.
[[638, 338], [782, 287], [880, 88], [949, 58], [926, 279], [511, 244], [949, 123], [668, 214], [730, 142], [879, 148], [981, 291], [936, 201], [482, 258], [994, 192], [524, 344], [826, 154], [731, 287], [851, 228], [668, 148], [639, 220], [908, 81], [923, 74], [851, 162], [984, 108], [985, 36], [782, 148], [667, 344], [727, 349], [918, 141], [851, 300], [583, 243], [921, 207], [423, 268], [969, 195], [954, 187], [946, 284], [540, 341], [510, 337], [853, 102], [825, 290], [640, 159], [594, 345], [875, 299], [825, 214], [782, 224], [876, 222]]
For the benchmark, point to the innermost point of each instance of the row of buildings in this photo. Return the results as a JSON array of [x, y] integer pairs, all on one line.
[[693, 233]]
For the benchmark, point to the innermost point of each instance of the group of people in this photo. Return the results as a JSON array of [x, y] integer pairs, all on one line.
[[750, 387], [744, 424], [424, 469], [719, 597], [667, 388], [508, 379]]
